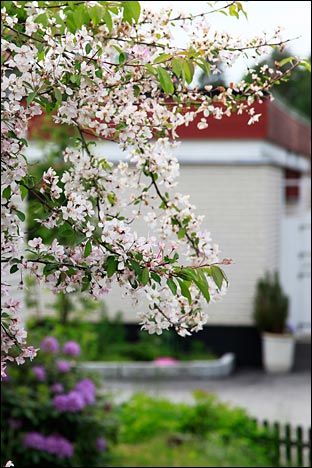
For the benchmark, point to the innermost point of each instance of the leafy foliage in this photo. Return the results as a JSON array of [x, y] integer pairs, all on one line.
[[270, 305], [223, 435], [295, 91], [28, 407], [108, 339], [109, 70]]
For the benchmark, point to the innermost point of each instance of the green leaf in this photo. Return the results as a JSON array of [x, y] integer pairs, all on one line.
[[240, 8], [165, 80], [111, 266], [111, 197], [8, 6], [172, 285], [85, 283], [66, 233], [177, 66], [50, 268], [7, 192], [81, 16], [31, 97], [20, 215], [42, 19], [135, 266], [217, 275], [108, 20], [188, 71], [88, 249], [225, 277], [181, 233], [205, 66], [131, 11], [162, 58], [24, 192], [95, 13], [185, 290], [150, 69], [14, 269], [233, 11], [145, 276], [285, 61], [122, 58], [70, 22], [202, 285], [187, 274], [137, 90], [58, 95], [88, 48], [155, 277], [306, 64]]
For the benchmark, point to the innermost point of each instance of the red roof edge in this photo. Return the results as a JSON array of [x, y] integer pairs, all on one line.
[[233, 127], [277, 124], [288, 130]]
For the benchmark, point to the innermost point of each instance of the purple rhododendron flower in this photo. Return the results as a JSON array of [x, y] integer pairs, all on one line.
[[87, 389], [59, 446], [101, 444], [71, 348], [63, 366], [71, 402], [49, 344], [40, 373], [57, 388], [34, 440], [54, 444]]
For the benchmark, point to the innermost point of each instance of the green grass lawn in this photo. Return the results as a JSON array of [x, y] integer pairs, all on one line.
[[171, 451]]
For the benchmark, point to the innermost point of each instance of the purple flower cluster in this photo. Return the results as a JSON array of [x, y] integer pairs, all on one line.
[[101, 444], [71, 402], [57, 388], [87, 389], [54, 444], [82, 395], [40, 373], [49, 344], [71, 348], [63, 366]]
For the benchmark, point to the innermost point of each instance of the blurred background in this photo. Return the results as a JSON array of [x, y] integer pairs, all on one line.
[[237, 407]]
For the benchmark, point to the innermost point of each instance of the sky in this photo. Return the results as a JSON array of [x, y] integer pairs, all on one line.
[[294, 17]]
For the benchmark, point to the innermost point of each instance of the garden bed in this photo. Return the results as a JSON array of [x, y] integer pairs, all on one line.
[[202, 369]]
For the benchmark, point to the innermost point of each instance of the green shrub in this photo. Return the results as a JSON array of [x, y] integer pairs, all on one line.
[[270, 305], [53, 414], [106, 339], [208, 433]]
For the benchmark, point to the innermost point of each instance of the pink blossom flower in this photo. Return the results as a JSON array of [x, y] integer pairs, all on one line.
[[165, 361]]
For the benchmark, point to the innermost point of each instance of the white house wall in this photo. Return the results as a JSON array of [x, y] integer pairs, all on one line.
[[242, 206], [238, 185]]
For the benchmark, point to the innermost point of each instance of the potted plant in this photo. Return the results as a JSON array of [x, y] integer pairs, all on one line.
[[270, 315]]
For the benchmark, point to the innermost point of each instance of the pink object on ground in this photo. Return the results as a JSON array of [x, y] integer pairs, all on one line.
[[165, 361]]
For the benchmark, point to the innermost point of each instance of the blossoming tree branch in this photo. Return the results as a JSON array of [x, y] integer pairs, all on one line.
[[110, 70]]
